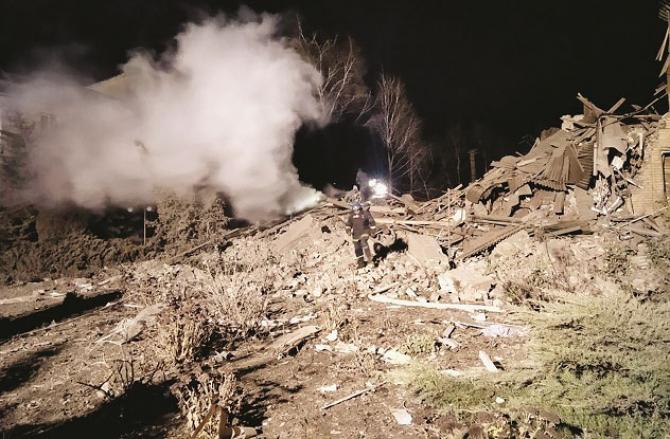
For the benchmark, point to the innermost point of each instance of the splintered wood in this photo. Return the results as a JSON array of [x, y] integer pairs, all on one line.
[[379, 298], [276, 349], [570, 176]]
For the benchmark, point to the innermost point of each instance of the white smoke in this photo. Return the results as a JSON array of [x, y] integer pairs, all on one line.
[[222, 110]]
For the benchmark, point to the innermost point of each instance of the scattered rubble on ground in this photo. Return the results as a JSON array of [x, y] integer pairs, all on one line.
[[279, 311]]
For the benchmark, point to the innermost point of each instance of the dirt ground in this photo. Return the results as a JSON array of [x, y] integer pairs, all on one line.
[[42, 371], [145, 348], [52, 363]]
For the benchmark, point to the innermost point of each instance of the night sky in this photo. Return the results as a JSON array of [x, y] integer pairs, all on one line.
[[500, 69]]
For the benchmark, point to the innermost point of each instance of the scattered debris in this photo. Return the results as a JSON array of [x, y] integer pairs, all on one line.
[[486, 361], [277, 349], [328, 389], [380, 298], [402, 416], [369, 388], [129, 329], [571, 175], [497, 330], [394, 357]]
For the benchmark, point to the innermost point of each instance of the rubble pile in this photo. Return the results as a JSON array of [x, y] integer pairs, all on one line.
[[575, 179], [571, 177], [288, 294], [585, 167]]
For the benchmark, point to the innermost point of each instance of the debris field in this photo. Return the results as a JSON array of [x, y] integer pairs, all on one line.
[[269, 330]]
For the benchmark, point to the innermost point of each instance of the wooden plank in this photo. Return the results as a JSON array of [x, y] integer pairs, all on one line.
[[441, 306], [276, 349], [616, 106], [488, 240]]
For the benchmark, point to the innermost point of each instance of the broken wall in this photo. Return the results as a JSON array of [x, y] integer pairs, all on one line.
[[653, 177]]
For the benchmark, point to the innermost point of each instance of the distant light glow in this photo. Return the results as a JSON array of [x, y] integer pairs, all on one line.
[[379, 189]]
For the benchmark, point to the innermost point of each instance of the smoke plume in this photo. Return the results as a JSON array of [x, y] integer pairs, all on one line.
[[221, 109]]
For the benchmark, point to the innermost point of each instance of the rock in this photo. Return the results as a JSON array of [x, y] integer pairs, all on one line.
[[104, 391], [503, 331], [517, 244], [332, 336], [397, 358], [468, 281], [402, 416], [424, 249], [328, 389], [305, 230]]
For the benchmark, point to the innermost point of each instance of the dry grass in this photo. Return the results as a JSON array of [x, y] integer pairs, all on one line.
[[601, 362], [418, 344], [604, 365], [207, 311], [186, 328], [195, 399]]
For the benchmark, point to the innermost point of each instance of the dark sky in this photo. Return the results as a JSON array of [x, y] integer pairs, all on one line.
[[512, 67]]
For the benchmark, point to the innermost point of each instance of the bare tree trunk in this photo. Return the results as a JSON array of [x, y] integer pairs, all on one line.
[[399, 128], [458, 164], [473, 164]]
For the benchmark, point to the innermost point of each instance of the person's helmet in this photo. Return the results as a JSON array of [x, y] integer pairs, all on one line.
[[356, 207]]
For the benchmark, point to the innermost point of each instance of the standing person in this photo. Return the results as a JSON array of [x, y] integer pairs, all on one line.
[[362, 225]]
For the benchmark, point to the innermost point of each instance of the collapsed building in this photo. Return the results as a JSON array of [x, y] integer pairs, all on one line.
[[595, 173], [598, 165]]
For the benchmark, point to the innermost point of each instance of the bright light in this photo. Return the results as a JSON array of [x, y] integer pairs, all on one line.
[[379, 189]]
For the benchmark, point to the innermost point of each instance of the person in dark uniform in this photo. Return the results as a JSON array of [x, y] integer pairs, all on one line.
[[362, 226]]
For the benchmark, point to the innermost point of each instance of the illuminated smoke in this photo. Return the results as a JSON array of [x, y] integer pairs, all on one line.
[[220, 110]]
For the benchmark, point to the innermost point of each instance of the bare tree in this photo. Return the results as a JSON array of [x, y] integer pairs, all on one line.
[[399, 128], [343, 90]]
